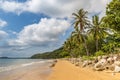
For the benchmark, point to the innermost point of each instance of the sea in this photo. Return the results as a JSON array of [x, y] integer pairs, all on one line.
[[10, 64], [17, 69]]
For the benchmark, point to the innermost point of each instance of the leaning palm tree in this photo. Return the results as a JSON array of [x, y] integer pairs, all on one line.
[[97, 30], [80, 24], [80, 38]]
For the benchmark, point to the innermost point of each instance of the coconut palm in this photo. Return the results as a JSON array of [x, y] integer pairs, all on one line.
[[80, 38], [68, 46], [97, 30], [80, 20], [80, 24]]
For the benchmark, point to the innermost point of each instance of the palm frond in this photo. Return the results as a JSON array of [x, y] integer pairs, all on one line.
[[76, 15]]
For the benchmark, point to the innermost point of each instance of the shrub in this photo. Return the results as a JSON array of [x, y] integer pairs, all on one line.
[[99, 53], [87, 57]]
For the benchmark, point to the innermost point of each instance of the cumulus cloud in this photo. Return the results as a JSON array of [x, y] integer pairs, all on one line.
[[3, 23], [42, 33], [3, 35], [98, 7], [54, 8], [46, 32]]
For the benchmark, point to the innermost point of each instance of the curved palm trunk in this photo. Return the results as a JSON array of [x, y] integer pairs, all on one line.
[[96, 45], [85, 44], [71, 54], [86, 47], [96, 42]]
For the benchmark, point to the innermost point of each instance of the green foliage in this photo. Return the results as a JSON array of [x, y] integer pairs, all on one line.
[[109, 48], [89, 39], [81, 50], [113, 15], [88, 57], [64, 53], [98, 36], [81, 20], [76, 52], [97, 30], [112, 43], [50, 55], [80, 23], [91, 44], [99, 53]]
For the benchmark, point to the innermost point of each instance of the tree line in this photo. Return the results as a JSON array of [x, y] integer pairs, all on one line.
[[95, 37]]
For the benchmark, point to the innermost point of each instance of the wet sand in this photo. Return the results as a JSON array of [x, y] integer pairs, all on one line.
[[32, 72], [64, 70]]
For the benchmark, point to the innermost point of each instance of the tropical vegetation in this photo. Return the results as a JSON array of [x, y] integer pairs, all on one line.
[[98, 36]]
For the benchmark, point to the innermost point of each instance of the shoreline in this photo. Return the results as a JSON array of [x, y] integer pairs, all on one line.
[[38, 71], [64, 70]]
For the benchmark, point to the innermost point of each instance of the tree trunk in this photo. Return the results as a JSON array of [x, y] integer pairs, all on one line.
[[96, 45], [86, 48], [85, 44]]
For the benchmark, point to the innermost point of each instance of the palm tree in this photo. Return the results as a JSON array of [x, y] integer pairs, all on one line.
[[97, 30], [80, 20], [68, 46], [80, 38], [80, 24]]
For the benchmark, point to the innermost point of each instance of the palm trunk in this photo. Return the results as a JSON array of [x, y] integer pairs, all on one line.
[[96, 37], [71, 55], [86, 48], [96, 45], [85, 44]]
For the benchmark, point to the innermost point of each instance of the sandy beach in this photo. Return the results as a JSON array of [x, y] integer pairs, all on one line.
[[64, 70]]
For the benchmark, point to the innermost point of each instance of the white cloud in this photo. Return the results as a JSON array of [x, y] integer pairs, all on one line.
[[47, 31], [3, 35], [3, 23], [54, 8], [98, 6]]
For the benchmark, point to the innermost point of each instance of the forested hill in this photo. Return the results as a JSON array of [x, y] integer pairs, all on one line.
[[58, 53]]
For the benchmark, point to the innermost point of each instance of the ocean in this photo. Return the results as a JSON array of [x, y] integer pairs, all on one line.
[[22, 69], [9, 64]]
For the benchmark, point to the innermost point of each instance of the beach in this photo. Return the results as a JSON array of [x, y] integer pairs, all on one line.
[[64, 70], [36, 71]]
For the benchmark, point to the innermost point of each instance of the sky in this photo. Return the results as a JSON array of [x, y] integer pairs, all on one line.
[[28, 27]]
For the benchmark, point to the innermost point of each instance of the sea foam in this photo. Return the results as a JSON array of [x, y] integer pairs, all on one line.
[[8, 68]]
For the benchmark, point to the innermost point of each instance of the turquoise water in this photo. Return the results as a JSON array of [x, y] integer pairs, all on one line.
[[9, 64]]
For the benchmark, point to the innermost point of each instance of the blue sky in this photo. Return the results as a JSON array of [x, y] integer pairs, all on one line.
[[35, 26]]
